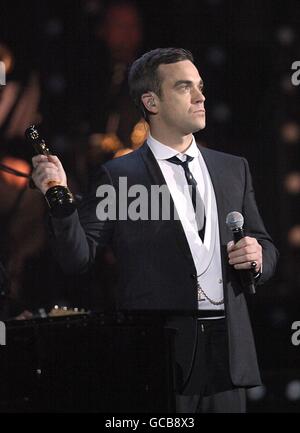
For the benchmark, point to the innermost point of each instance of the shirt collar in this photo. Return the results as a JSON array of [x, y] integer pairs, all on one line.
[[161, 151]]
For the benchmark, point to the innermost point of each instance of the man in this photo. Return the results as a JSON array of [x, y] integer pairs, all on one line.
[[187, 263]]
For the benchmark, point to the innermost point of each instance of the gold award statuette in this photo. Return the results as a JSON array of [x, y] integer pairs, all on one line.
[[59, 198]]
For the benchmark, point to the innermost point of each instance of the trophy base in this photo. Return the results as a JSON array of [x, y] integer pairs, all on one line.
[[60, 201]]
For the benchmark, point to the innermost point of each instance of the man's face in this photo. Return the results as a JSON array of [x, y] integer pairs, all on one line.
[[181, 103]]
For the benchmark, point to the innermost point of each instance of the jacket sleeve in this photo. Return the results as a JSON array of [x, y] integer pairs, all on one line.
[[254, 227], [75, 238]]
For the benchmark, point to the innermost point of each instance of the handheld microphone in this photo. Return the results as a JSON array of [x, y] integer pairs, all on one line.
[[235, 222]]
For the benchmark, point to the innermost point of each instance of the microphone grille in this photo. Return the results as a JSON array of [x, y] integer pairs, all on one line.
[[235, 220]]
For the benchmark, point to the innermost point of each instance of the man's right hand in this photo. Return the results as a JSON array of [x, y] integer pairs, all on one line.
[[48, 169]]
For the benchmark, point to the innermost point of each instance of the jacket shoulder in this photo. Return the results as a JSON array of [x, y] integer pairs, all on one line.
[[123, 163], [222, 156]]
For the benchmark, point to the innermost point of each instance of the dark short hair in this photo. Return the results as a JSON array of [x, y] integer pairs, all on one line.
[[143, 75]]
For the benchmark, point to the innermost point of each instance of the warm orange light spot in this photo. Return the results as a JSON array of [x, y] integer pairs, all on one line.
[[294, 236], [139, 134], [122, 152], [17, 164]]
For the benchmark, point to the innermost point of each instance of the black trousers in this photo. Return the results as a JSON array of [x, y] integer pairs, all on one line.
[[231, 401], [210, 388]]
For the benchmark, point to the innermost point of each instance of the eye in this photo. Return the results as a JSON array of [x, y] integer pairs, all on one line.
[[185, 87]]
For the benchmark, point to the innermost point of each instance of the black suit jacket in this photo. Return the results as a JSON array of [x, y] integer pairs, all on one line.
[[156, 268]]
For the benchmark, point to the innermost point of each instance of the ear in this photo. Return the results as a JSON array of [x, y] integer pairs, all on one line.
[[150, 102]]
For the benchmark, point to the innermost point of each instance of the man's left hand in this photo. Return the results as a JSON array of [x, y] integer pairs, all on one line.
[[244, 252]]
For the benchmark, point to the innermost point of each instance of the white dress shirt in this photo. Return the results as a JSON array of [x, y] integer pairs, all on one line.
[[206, 254]]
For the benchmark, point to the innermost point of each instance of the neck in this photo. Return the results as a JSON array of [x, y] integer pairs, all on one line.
[[176, 142]]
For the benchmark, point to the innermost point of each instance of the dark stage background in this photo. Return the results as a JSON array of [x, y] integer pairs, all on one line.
[[67, 63]]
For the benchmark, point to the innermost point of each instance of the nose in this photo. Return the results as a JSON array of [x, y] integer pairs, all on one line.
[[198, 96]]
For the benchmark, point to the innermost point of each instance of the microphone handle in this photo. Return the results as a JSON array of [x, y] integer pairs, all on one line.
[[246, 275], [238, 234]]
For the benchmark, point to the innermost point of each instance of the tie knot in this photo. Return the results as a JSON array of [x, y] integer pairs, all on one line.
[[176, 160]]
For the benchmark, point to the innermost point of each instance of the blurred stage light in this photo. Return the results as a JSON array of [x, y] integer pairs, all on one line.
[[277, 317], [292, 182], [54, 27], [294, 236], [6, 56], [139, 134], [216, 55], [221, 112], [292, 391], [103, 143], [92, 7], [122, 152], [257, 393], [17, 164], [285, 35], [59, 143], [56, 84], [290, 132]]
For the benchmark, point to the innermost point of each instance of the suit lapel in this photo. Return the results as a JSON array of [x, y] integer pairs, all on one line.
[[157, 178], [152, 166], [215, 169]]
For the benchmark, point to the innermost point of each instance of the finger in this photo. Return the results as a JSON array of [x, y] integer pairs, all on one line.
[[230, 246], [54, 159], [244, 259], [242, 252], [45, 166], [46, 171], [46, 175], [46, 178], [246, 265], [241, 266], [246, 241], [38, 159]]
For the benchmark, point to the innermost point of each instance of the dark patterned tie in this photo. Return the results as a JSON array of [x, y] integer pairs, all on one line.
[[196, 198]]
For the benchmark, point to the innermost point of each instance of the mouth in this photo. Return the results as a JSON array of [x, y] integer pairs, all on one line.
[[201, 111]]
